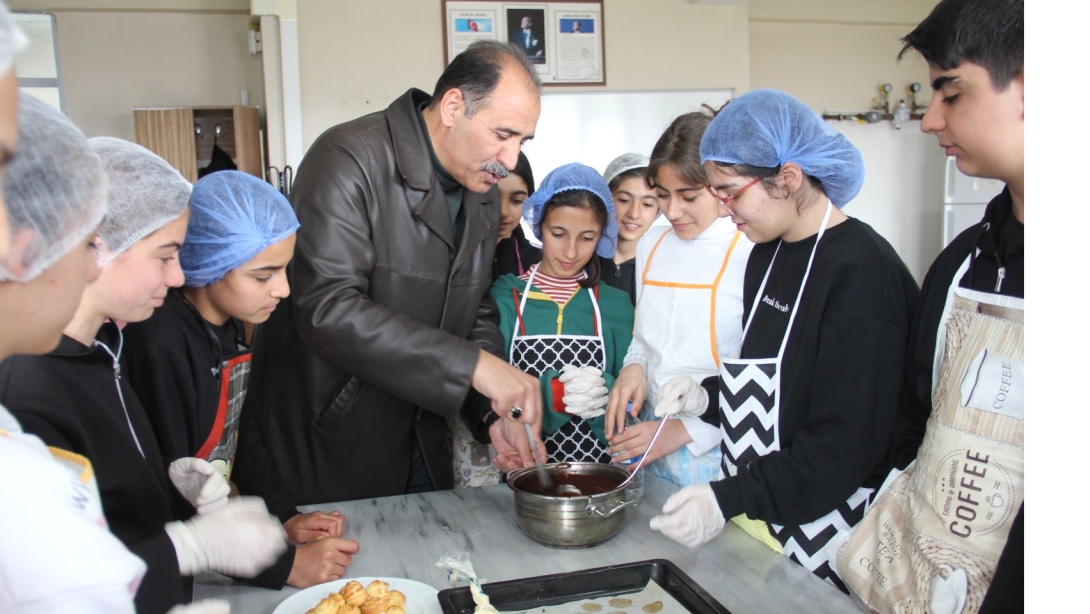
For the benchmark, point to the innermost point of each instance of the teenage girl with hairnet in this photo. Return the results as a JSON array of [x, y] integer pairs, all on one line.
[[689, 315], [637, 207], [514, 253], [808, 409], [559, 322], [189, 364], [75, 397], [74, 561]]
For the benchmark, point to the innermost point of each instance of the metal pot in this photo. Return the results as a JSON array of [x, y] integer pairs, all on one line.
[[569, 521]]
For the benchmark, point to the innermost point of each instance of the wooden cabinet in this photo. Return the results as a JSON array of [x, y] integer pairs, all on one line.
[[172, 134]]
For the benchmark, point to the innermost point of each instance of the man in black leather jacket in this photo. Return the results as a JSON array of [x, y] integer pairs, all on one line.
[[390, 327]]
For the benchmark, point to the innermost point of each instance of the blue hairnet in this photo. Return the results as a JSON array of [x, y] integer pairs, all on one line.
[[574, 176], [234, 217], [767, 128]]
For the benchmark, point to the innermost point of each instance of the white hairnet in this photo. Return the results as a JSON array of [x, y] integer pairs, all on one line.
[[12, 40], [54, 188], [625, 162], [145, 194], [768, 128]]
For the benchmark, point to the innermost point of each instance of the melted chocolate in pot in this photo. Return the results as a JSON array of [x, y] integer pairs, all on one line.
[[587, 484]]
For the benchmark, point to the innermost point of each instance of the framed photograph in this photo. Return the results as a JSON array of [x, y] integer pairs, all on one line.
[[565, 39], [526, 30]]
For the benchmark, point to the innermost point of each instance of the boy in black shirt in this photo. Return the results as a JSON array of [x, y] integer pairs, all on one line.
[[974, 51]]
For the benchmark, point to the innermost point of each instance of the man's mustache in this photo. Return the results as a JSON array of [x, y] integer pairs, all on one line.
[[495, 168]]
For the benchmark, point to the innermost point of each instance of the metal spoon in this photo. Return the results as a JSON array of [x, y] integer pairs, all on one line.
[[542, 475], [643, 459], [568, 490]]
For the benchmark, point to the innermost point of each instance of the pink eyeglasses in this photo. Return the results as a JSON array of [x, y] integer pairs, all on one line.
[[724, 201]]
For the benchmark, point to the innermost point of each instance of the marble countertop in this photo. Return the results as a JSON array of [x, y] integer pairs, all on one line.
[[404, 536]]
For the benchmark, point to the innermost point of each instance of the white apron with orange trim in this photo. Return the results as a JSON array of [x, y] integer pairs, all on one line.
[[689, 317]]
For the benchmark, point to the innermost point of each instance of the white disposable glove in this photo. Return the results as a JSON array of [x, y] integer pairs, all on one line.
[[200, 483], [683, 397], [242, 539], [691, 516], [204, 606], [585, 393]]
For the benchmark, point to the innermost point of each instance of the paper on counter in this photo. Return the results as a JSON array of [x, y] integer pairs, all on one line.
[[651, 600]]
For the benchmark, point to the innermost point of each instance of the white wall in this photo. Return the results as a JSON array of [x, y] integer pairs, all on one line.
[[116, 55], [834, 67], [902, 195], [356, 57], [832, 55]]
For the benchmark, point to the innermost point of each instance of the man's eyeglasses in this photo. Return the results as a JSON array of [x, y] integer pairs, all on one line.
[[724, 201]]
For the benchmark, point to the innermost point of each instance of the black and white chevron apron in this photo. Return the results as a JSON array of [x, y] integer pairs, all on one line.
[[535, 354], [749, 421]]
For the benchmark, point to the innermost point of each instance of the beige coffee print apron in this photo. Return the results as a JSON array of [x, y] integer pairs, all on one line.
[[931, 541]]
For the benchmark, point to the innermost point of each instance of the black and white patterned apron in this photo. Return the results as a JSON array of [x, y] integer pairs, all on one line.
[[749, 417], [535, 354]]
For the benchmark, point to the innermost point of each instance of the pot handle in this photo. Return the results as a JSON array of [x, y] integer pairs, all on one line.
[[605, 511]]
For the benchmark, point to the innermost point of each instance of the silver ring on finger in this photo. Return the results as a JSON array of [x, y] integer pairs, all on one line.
[[516, 412]]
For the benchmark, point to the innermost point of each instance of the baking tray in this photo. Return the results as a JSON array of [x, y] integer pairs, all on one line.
[[556, 589]]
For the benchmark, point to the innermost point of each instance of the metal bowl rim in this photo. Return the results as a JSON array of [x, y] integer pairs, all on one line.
[[517, 473]]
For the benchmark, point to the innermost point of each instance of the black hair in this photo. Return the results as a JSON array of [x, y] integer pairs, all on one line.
[[477, 70], [632, 173], [581, 199], [523, 170], [679, 147], [985, 32]]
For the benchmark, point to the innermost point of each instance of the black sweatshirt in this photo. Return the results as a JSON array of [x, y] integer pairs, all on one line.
[[69, 399], [621, 276], [999, 237], [169, 360], [512, 251], [841, 374]]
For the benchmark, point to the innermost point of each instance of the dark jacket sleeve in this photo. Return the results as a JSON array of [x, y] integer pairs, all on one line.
[[711, 386], [849, 408], [915, 406], [162, 378], [487, 335], [851, 417], [1007, 592], [253, 471], [160, 587], [336, 316], [275, 577]]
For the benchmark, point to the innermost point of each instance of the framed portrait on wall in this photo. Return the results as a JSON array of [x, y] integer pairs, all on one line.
[[565, 40]]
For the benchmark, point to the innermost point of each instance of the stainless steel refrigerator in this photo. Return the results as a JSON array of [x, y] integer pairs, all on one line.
[[964, 200]]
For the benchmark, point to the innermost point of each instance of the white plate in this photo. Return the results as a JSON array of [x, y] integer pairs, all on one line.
[[419, 597]]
